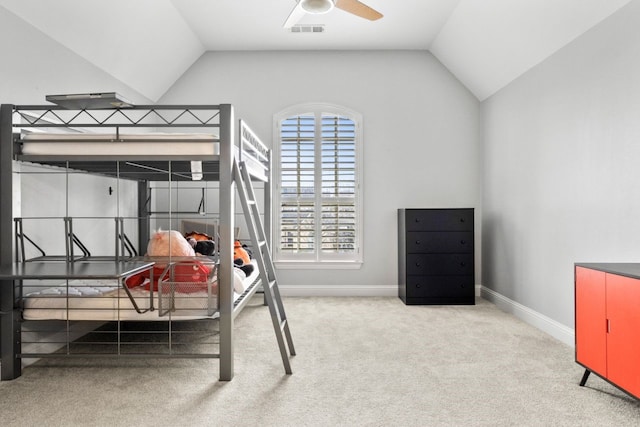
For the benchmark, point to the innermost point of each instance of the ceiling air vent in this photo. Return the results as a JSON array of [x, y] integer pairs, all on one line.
[[313, 28]]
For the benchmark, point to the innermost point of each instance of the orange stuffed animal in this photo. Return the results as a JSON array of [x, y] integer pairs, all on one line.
[[242, 257]]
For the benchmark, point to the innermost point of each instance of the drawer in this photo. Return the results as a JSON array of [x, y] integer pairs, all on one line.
[[440, 264], [440, 242], [439, 219], [439, 286]]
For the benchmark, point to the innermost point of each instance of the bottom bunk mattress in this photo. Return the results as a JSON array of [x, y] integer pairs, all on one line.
[[108, 300]]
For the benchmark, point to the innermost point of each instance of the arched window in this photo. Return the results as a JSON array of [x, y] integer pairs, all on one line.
[[318, 194]]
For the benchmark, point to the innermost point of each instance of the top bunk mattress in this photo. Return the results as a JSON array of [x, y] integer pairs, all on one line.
[[125, 146]]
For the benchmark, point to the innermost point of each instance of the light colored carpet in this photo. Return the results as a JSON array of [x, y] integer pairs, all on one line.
[[360, 362]]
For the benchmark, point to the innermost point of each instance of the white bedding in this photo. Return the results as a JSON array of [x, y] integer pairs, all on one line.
[[147, 146], [165, 144], [105, 300]]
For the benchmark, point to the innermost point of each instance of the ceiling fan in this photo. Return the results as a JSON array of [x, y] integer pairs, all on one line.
[[318, 7]]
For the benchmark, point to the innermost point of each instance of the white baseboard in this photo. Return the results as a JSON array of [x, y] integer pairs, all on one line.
[[345, 291], [557, 330], [338, 291]]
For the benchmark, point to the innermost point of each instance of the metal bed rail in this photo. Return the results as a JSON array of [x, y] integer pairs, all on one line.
[[124, 248], [253, 152], [146, 116], [133, 324]]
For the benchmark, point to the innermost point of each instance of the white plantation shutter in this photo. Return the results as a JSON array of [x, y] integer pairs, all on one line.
[[318, 193], [338, 166], [297, 185]]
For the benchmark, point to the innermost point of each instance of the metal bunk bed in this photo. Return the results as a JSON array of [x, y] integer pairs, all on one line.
[[233, 156]]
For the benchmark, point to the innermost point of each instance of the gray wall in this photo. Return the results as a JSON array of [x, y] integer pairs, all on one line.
[[420, 136], [33, 66], [561, 173]]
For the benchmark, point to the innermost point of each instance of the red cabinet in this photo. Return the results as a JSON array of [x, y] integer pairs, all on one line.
[[591, 331], [607, 314]]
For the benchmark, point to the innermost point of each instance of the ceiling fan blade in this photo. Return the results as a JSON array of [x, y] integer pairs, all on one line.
[[358, 8], [296, 14]]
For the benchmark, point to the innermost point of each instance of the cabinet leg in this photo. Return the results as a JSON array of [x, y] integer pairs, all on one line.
[[585, 377]]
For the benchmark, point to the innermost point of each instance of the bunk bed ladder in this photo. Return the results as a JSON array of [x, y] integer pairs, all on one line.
[[265, 262]]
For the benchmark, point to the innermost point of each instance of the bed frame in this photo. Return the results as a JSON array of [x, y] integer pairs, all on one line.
[[235, 143]]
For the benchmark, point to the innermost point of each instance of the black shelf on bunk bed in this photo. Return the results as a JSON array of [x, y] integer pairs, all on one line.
[[99, 100], [85, 269]]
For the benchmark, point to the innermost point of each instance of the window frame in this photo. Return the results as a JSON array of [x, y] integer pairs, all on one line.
[[316, 259]]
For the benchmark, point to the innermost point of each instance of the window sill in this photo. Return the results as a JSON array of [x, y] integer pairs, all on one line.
[[318, 265]]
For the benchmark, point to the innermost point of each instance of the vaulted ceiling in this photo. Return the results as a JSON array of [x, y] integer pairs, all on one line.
[[149, 44]]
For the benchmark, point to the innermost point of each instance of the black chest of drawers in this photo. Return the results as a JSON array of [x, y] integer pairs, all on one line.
[[436, 256]]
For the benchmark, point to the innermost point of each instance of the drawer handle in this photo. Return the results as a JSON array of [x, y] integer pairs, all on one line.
[[417, 242], [461, 219], [418, 285], [462, 264], [417, 264], [463, 242], [417, 219]]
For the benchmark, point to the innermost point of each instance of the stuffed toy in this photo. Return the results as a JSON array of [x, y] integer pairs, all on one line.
[[202, 247], [242, 257], [173, 244], [169, 243], [197, 236]]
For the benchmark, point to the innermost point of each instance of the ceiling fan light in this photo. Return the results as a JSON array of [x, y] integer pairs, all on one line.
[[317, 6]]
